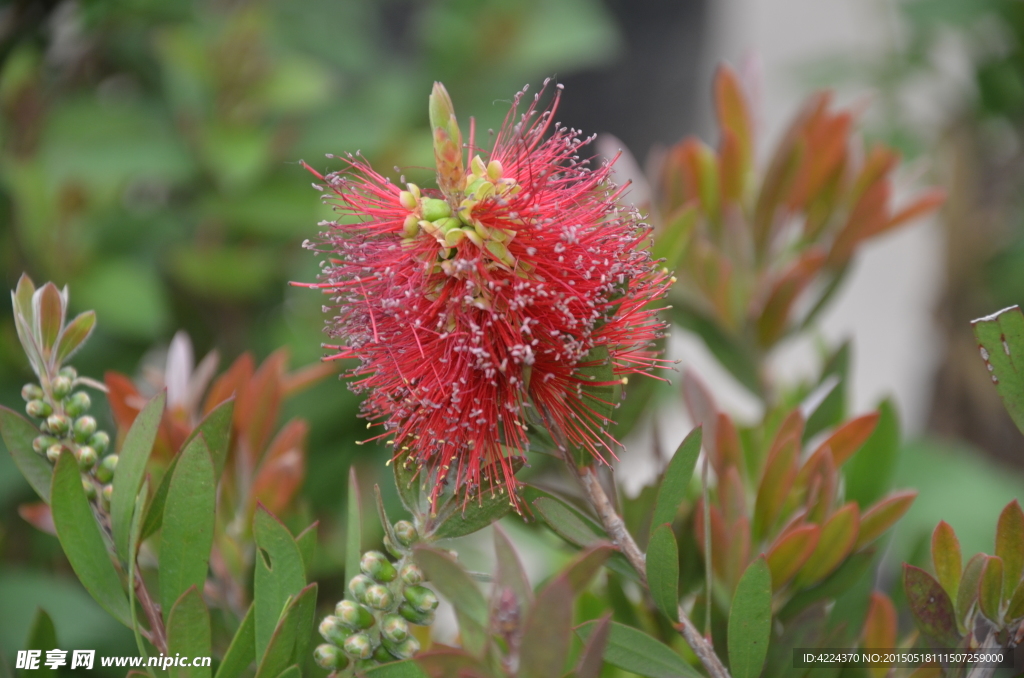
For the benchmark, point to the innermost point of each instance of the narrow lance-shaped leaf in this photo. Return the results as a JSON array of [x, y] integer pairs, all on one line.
[[75, 335], [48, 306], [41, 636], [946, 558], [279, 576], [452, 582], [291, 634], [633, 650], [1001, 343], [930, 605], [990, 589], [883, 515], [880, 628], [1010, 544], [663, 571], [592, 657], [81, 540], [969, 581], [547, 632], [750, 621], [869, 472], [242, 650], [790, 552], [18, 435], [188, 633], [676, 478], [131, 466]]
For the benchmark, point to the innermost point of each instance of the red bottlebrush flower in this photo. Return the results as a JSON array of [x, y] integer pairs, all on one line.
[[473, 308]]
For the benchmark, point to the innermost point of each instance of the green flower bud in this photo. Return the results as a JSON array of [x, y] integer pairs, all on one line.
[[58, 424], [353, 615], [87, 458], [411, 226], [84, 428], [382, 656], [358, 646], [358, 584], [333, 631], [53, 452], [78, 404], [434, 209], [31, 392], [406, 533], [421, 598], [375, 564], [406, 649], [61, 387], [407, 199], [394, 628], [415, 616], [99, 441], [378, 597], [392, 548], [41, 443], [453, 237], [494, 170], [90, 489], [411, 574], [69, 372], [105, 471], [38, 409], [329, 657], [107, 493]]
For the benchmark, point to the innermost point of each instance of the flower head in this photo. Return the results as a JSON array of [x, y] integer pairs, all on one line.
[[475, 309]]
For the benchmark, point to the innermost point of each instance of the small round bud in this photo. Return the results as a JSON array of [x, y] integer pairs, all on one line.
[[78, 404], [407, 199], [41, 443], [61, 387], [411, 574], [394, 628], [99, 441], [90, 489], [376, 565], [392, 548], [406, 649], [58, 424], [382, 656], [69, 372], [353, 615], [415, 616], [406, 533], [87, 458], [358, 646], [53, 452], [411, 226], [421, 598], [358, 584], [434, 209], [31, 392], [333, 630], [107, 493], [38, 409], [105, 471], [329, 657], [378, 597], [85, 427]]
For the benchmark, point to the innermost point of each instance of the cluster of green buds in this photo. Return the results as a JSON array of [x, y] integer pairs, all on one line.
[[65, 424], [372, 625]]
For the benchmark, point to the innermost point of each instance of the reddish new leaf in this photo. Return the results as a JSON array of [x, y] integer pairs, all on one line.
[[1010, 544], [883, 515], [790, 551], [930, 605]]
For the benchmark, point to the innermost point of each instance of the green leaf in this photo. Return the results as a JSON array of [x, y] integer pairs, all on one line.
[[547, 632], [407, 481], [291, 634], [75, 335], [566, 522], [353, 532], [18, 434], [131, 466], [946, 558], [80, 538], [41, 636], [831, 411], [242, 650], [510, 574], [990, 591], [633, 650], [404, 669], [188, 524], [216, 431], [750, 621], [449, 579], [869, 472], [663, 571], [49, 307], [676, 478], [969, 584], [460, 517], [292, 671], [280, 575], [133, 550], [1001, 343], [188, 633], [1010, 544], [930, 605], [592, 657], [837, 583], [306, 541]]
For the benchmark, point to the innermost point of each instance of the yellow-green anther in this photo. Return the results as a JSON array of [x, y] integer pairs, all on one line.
[[481, 230], [58, 424], [411, 226], [434, 209], [421, 598], [105, 471], [353, 615], [31, 392], [53, 452], [358, 646], [500, 234], [378, 597], [500, 252], [87, 458], [77, 404], [333, 630], [429, 227], [394, 628], [376, 565], [406, 649], [61, 387], [329, 657], [408, 200], [473, 186], [473, 237], [38, 409], [415, 616], [494, 170], [482, 191], [358, 584], [466, 211], [405, 532], [448, 224], [453, 237], [40, 443], [447, 142], [477, 167], [415, 190], [99, 441], [84, 428], [411, 574]]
